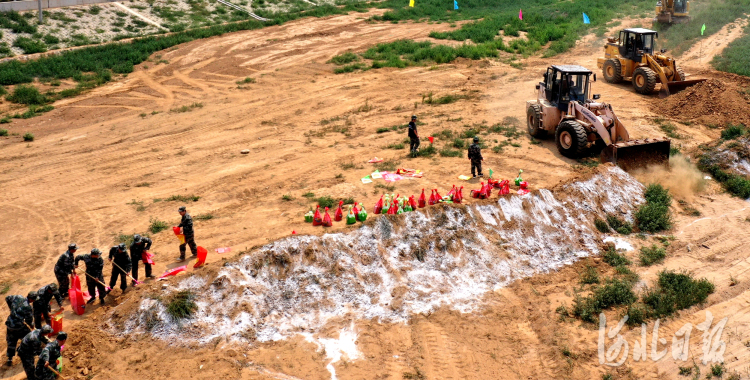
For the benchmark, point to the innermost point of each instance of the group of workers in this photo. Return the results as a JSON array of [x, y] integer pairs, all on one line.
[[34, 309]]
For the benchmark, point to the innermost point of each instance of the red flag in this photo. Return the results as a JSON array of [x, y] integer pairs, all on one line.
[[174, 271], [432, 139], [520, 14]]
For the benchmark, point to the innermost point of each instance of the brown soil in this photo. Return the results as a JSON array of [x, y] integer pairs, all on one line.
[[713, 102], [97, 156]]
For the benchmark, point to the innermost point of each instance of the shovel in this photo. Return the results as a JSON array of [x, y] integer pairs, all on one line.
[[54, 371], [127, 274]]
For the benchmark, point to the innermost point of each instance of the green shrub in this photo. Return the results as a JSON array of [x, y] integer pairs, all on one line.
[[654, 215], [676, 291], [383, 130], [326, 201], [427, 151], [601, 225], [613, 258], [459, 143], [657, 194], [589, 276], [619, 225], [157, 225], [182, 304], [50, 39], [733, 132], [448, 152], [345, 58], [614, 292], [183, 198], [28, 137], [652, 255], [637, 314], [3, 132], [30, 46], [27, 95], [348, 68]]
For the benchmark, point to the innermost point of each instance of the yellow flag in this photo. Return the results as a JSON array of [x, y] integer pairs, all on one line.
[[411, 3]]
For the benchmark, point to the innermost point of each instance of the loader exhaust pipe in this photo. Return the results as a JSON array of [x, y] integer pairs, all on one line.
[[635, 154]]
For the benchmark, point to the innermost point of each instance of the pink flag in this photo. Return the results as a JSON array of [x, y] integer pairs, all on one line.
[[520, 14]]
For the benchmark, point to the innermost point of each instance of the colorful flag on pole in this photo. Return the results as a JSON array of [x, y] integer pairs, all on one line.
[[411, 3], [455, 4], [586, 19], [703, 29], [520, 14]]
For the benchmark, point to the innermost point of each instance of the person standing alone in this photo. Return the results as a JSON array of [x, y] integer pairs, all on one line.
[[413, 135], [475, 155], [187, 229]]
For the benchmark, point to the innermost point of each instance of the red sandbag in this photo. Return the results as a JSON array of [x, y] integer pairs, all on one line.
[[76, 295], [327, 219], [179, 234], [147, 257], [202, 254], [355, 210], [57, 322], [452, 192], [438, 197], [394, 209], [173, 271], [412, 202], [504, 187], [379, 205], [459, 195], [432, 200], [422, 200], [339, 214], [317, 219]]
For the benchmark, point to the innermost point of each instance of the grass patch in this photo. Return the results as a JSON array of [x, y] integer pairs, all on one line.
[[182, 304], [28, 137], [589, 276], [246, 81], [448, 152], [326, 201], [388, 165], [208, 216], [187, 108], [614, 292], [654, 215], [27, 95], [613, 258], [308, 195], [732, 132], [652, 255], [427, 151], [619, 225], [29, 45], [601, 226], [343, 59], [735, 58], [675, 291], [183, 198], [395, 146], [3, 132], [156, 225]]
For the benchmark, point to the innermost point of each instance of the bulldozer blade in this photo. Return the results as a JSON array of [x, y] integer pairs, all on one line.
[[677, 86], [634, 154]]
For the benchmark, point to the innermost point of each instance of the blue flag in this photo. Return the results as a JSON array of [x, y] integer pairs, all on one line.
[[586, 19], [455, 4]]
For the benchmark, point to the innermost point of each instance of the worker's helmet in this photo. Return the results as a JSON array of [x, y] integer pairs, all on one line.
[[46, 330], [524, 185], [33, 296], [136, 238], [414, 117], [121, 246], [72, 246], [476, 139], [96, 252], [62, 336], [52, 287], [181, 209]]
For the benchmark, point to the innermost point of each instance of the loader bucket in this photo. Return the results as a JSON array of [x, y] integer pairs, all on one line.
[[634, 154], [677, 86]]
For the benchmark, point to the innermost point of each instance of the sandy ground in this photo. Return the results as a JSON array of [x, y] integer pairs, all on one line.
[[98, 157]]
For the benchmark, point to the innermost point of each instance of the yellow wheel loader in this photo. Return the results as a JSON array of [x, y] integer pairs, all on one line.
[[672, 11], [631, 57], [582, 125]]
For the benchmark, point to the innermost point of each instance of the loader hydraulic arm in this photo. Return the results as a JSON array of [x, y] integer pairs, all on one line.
[[656, 67], [594, 120]]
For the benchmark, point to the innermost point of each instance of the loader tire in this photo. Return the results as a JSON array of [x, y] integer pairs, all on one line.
[[612, 71], [644, 80], [571, 139], [680, 72], [534, 121]]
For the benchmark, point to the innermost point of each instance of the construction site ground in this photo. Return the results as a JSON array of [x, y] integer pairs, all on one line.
[[105, 163]]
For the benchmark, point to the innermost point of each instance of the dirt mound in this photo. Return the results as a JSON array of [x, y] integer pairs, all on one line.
[[712, 102]]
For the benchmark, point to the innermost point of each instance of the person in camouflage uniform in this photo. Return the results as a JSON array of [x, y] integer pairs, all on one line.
[[31, 346], [94, 267], [48, 358], [42, 306], [140, 245], [120, 256], [64, 268], [475, 155], [18, 322], [187, 229]]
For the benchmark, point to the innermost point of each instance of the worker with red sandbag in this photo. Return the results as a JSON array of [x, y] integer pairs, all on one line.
[[475, 156], [42, 304], [18, 322], [138, 249], [187, 229], [64, 268], [94, 276], [121, 265], [31, 346], [45, 366]]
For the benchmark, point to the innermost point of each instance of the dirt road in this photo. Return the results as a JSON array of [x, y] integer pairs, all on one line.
[[106, 163]]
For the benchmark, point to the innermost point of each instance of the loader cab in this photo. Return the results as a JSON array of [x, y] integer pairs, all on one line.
[[634, 43], [566, 83]]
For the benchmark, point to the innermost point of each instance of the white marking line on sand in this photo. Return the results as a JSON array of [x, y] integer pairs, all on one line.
[[140, 16], [709, 218]]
